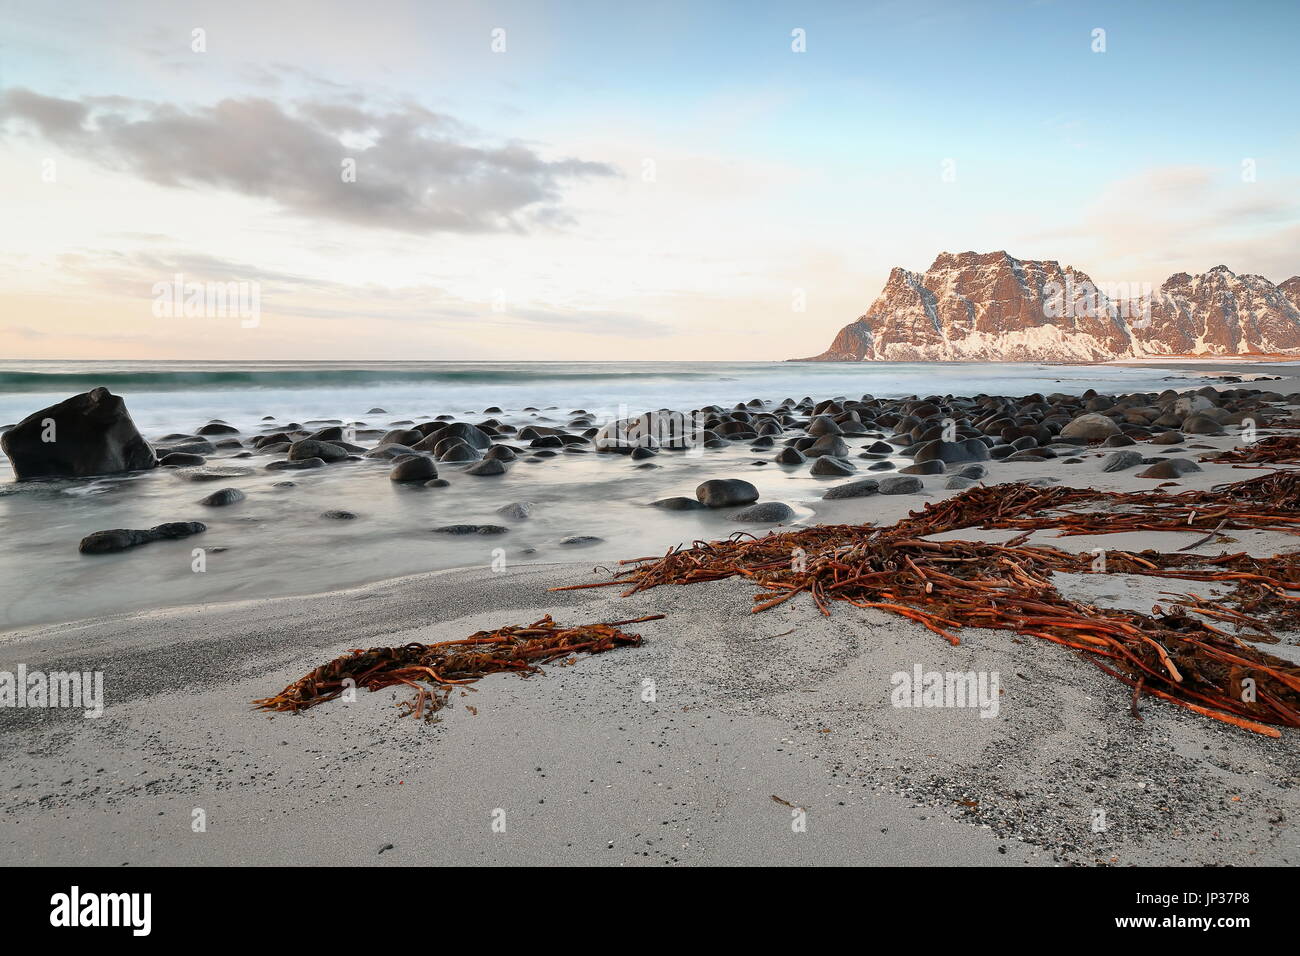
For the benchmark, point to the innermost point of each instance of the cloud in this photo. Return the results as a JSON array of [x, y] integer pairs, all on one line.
[[417, 171], [1168, 219], [593, 322], [132, 276]]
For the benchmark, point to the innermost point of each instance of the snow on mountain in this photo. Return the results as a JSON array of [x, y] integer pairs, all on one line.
[[996, 308]]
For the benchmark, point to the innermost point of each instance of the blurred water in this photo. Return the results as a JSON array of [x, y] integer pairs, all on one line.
[[276, 543]]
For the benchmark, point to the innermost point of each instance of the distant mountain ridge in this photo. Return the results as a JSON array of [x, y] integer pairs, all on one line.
[[992, 307]]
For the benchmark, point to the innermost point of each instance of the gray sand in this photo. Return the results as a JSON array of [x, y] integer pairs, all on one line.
[[587, 772]]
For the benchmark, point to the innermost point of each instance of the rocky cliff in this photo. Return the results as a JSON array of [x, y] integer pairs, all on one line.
[[996, 308]]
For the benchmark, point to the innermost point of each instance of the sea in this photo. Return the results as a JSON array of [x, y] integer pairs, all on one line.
[[276, 541]]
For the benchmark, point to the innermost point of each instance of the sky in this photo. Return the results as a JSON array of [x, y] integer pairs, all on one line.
[[553, 180]]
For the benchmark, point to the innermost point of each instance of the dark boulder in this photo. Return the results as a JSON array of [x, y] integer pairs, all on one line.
[[87, 434], [824, 425], [900, 485], [402, 436], [1121, 461], [832, 445], [1201, 424], [955, 452], [330, 433], [300, 465], [765, 512], [218, 428], [417, 468], [390, 452], [1091, 428], [454, 450], [679, 503], [226, 496], [488, 466], [828, 467], [1170, 468], [471, 435], [315, 448], [119, 539], [723, 492], [853, 489]]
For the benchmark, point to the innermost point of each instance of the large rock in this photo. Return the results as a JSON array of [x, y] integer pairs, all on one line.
[[1091, 428], [87, 434], [901, 485], [315, 448], [300, 465], [1170, 468], [828, 467], [219, 499], [766, 512], [402, 436], [824, 425], [1201, 424], [1121, 461], [415, 468], [952, 452], [218, 428], [679, 503], [832, 445], [488, 466], [853, 489], [471, 435], [723, 492], [119, 539]]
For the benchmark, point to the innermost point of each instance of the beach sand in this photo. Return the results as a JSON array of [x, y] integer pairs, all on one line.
[[582, 769]]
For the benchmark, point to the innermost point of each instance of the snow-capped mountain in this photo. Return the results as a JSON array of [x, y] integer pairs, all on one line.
[[995, 308]]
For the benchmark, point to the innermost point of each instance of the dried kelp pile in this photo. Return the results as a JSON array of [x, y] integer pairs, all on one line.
[[1268, 503], [1172, 653], [1276, 450], [434, 670]]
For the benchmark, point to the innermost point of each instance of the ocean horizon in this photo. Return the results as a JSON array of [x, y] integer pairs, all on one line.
[[159, 390]]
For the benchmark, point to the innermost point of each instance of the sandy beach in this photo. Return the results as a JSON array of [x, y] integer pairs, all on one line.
[[756, 721]]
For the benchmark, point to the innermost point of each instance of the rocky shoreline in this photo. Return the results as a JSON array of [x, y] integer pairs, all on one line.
[[949, 436]]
